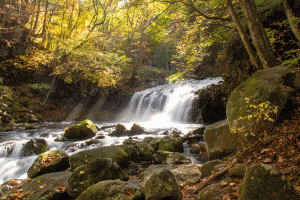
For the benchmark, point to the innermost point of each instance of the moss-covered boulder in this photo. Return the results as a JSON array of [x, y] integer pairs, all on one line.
[[209, 167], [265, 182], [138, 151], [113, 189], [162, 185], [83, 130], [46, 187], [120, 128], [98, 170], [173, 144], [219, 141], [187, 175], [170, 157], [116, 153], [34, 146], [256, 104], [49, 162]]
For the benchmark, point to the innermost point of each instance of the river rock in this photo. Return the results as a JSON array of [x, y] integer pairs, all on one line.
[[209, 167], [153, 142], [138, 151], [136, 129], [86, 129], [34, 146], [112, 189], [266, 182], [170, 157], [116, 153], [153, 169], [255, 105], [219, 141], [47, 186], [214, 191], [98, 170], [6, 148], [238, 171], [48, 162], [30, 118], [8, 185], [173, 144], [187, 175], [162, 185]]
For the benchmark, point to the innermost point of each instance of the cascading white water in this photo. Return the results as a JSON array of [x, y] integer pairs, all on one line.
[[165, 105]]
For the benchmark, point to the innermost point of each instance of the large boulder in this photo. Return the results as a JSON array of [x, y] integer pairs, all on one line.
[[138, 151], [173, 144], [256, 104], [113, 189], [98, 170], [83, 130], [162, 185], [48, 186], [266, 182], [116, 153], [167, 157], [34, 146], [219, 141], [48, 162]]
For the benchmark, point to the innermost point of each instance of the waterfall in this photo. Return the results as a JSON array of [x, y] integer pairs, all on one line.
[[170, 103]]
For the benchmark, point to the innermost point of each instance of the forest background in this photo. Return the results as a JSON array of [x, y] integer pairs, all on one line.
[[107, 45]]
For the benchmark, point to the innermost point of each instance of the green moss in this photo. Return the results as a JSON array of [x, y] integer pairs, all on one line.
[[29, 127]]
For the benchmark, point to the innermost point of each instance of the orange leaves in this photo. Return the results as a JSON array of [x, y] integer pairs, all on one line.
[[61, 189]]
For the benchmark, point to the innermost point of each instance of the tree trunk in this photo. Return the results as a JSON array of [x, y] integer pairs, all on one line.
[[292, 19], [251, 52], [258, 34]]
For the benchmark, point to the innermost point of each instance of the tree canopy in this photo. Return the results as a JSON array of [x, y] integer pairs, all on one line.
[[110, 42]]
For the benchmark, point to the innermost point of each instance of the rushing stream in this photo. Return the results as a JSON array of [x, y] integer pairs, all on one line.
[[157, 109]]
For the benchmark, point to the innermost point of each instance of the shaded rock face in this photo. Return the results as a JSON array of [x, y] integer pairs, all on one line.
[[34, 146], [138, 151], [48, 186], [98, 170], [210, 105], [162, 185], [266, 182], [116, 153], [219, 141], [85, 129], [113, 189], [48, 162], [256, 104]]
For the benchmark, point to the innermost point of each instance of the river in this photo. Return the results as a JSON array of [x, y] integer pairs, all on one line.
[[157, 109]]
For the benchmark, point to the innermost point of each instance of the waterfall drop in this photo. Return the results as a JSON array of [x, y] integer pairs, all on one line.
[[165, 105]]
